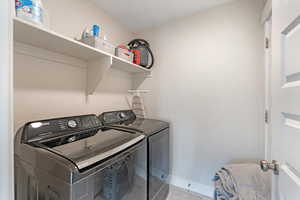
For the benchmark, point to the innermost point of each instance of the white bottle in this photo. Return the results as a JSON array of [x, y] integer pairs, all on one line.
[[30, 10]]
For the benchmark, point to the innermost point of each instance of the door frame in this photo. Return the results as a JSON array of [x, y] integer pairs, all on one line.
[[266, 20], [6, 101], [267, 66]]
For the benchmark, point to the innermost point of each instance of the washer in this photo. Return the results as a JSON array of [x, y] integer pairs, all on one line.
[[157, 134], [74, 158]]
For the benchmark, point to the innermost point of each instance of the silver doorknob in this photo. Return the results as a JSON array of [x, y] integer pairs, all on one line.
[[266, 166]]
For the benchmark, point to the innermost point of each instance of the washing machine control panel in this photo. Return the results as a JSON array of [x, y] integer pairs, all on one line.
[[56, 127]]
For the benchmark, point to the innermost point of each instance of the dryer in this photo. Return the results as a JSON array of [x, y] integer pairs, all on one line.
[[158, 145]]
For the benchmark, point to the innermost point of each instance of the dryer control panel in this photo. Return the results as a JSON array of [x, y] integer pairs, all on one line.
[[116, 117]]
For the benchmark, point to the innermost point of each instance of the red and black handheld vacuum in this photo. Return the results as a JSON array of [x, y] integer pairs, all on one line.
[[141, 50]]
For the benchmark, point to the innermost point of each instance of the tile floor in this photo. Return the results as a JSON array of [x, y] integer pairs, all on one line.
[[180, 194]]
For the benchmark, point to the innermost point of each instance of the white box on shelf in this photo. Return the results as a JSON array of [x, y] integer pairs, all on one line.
[[99, 44]]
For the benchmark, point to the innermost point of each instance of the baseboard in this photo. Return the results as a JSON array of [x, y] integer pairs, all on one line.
[[192, 186]]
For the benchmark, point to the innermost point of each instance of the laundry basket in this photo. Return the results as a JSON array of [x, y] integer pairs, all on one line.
[[242, 181]]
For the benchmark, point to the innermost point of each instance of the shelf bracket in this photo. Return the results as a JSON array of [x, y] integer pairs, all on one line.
[[97, 69], [139, 79]]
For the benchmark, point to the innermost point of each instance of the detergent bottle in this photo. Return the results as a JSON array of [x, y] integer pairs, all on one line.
[[30, 10]]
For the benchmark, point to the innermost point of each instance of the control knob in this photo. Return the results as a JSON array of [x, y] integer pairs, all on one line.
[[72, 124], [122, 115]]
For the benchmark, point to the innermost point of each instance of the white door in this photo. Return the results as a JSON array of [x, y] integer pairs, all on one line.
[[6, 133], [285, 103]]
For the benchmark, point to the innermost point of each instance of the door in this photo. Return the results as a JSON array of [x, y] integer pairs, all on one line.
[[285, 106], [6, 120]]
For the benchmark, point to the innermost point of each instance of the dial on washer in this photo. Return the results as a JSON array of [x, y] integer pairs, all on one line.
[[72, 124], [122, 115]]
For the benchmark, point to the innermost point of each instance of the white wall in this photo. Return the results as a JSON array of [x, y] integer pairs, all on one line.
[[208, 81], [70, 17], [6, 139], [45, 87]]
